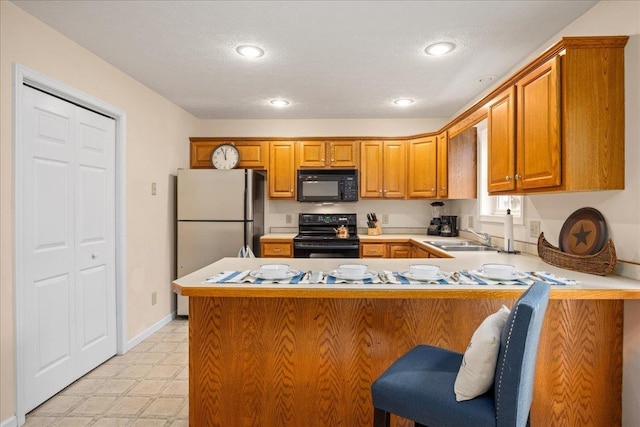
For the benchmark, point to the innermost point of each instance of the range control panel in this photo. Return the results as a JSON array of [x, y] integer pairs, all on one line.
[[327, 219]]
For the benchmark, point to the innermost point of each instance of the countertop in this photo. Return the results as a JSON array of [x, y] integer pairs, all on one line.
[[588, 287]]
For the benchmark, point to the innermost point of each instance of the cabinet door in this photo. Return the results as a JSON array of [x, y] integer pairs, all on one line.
[[253, 154], [394, 175], [443, 162], [372, 250], [371, 169], [418, 252], [312, 154], [343, 154], [538, 128], [422, 168], [502, 142], [399, 250], [282, 182], [463, 165], [276, 249]]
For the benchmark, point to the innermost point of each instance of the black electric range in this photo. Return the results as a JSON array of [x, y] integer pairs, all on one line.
[[317, 236]]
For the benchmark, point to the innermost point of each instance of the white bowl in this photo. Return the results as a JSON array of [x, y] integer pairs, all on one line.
[[274, 271], [499, 270], [355, 271], [424, 271]]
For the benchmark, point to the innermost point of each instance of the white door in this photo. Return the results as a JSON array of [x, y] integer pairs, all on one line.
[[69, 243]]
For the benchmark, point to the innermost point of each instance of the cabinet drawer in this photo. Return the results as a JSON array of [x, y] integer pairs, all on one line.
[[276, 250], [372, 250]]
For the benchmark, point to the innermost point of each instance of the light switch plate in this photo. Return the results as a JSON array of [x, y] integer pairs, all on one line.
[[534, 228]]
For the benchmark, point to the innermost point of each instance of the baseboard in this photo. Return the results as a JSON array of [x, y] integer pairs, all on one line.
[[10, 422], [148, 332]]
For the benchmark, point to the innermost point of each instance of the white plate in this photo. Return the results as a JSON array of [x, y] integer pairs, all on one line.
[[367, 275], [411, 276], [288, 275], [483, 275]]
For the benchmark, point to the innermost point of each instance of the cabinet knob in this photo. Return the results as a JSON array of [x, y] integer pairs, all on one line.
[[291, 190], [518, 176], [276, 249], [322, 160], [443, 188], [507, 178], [379, 191], [384, 191], [433, 189]]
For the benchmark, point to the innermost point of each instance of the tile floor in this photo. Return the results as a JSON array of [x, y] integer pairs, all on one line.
[[146, 387]]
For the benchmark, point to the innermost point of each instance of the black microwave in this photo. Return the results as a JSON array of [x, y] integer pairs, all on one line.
[[327, 185]]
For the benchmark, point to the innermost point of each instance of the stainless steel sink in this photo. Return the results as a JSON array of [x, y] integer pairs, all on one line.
[[459, 245]]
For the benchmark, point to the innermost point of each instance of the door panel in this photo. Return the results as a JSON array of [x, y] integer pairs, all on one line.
[[69, 237]]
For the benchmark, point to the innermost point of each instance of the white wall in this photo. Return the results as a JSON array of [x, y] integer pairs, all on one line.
[[157, 144]]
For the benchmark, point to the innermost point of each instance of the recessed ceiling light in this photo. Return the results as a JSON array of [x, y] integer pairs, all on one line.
[[279, 102], [249, 51], [441, 48], [403, 102]]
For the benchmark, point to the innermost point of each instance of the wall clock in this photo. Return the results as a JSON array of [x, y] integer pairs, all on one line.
[[225, 156]]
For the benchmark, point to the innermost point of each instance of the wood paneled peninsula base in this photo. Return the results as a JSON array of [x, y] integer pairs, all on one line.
[[307, 355]]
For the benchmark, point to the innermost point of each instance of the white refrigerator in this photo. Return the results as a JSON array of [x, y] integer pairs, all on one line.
[[219, 213]]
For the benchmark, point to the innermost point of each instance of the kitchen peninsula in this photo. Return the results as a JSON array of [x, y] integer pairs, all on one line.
[[306, 354]]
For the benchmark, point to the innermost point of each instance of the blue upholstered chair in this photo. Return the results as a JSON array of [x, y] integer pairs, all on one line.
[[419, 385]]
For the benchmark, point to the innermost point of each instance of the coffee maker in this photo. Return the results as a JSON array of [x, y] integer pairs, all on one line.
[[436, 219], [449, 226]]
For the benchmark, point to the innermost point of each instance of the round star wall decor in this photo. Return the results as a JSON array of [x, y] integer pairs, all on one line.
[[583, 233]]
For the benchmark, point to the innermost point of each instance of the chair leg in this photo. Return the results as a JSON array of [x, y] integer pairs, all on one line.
[[381, 418]]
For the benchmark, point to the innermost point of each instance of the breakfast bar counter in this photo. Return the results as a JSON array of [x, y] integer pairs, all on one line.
[[291, 354]]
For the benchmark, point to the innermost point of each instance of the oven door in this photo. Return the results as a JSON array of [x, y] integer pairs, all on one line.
[[326, 250]]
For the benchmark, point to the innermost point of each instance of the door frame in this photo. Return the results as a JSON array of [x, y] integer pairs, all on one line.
[[21, 75]]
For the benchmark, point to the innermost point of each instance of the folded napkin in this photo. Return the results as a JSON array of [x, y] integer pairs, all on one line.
[[482, 279], [551, 278], [246, 277]]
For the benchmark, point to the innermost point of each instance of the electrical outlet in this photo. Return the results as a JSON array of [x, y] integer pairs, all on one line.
[[153, 188], [154, 298], [470, 222], [385, 218], [288, 219], [534, 228]]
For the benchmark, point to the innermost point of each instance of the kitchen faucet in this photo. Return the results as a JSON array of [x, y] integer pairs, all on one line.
[[485, 236]]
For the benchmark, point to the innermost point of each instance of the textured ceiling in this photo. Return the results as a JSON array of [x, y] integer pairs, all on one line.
[[331, 59]]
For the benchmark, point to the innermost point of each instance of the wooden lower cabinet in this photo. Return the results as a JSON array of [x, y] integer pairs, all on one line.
[[373, 250], [276, 249], [308, 361], [418, 252], [395, 249], [399, 250]]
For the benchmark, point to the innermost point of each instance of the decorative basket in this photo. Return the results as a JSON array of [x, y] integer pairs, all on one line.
[[601, 263]]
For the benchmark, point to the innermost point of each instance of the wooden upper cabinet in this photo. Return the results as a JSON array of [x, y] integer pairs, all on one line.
[[328, 154], [463, 165], [560, 127], [443, 165], [422, 173], [383, 169], [253, 154], [371, 174], [282, 172], [538, 150], [501, 153], [524, 133], [395, 169]]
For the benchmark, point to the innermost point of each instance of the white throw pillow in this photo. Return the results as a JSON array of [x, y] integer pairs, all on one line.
[[478, 366]]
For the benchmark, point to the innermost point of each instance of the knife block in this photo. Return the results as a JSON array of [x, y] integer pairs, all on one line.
[[375, 231]]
